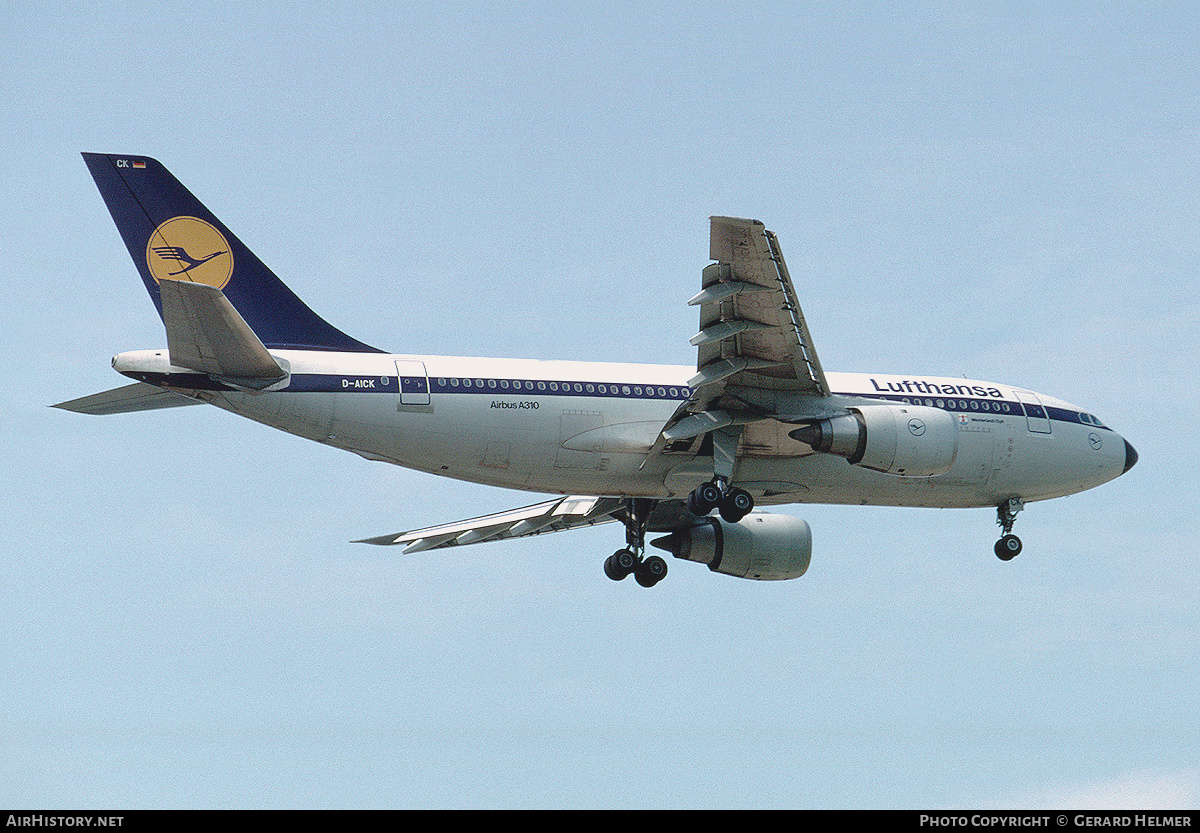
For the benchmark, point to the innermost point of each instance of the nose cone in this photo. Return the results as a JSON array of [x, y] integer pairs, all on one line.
[[1130, 457]]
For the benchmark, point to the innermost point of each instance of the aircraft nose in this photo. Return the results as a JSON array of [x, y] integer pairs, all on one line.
[[1130, 457]]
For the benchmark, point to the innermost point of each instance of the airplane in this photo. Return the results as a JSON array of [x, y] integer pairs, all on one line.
[[688, 453]]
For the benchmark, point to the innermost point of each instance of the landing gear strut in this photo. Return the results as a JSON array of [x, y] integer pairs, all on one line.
[[646, 571], [1009, 545]]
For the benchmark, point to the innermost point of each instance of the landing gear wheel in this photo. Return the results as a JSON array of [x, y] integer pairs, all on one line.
[[1008, 547], [620, 564], [610, 569], [635, 514], [704, 498], [651, 571], [736, 505]]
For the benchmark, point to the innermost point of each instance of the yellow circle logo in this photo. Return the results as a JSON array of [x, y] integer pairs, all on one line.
[[189, 249]]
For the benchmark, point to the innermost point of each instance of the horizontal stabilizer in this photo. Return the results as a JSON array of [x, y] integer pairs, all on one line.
[[126, 400], [205, 333]]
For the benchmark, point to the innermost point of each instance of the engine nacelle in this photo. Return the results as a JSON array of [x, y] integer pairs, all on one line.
[[908, 440], [760, 546]]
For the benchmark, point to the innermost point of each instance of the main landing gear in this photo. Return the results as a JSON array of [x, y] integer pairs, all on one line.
[[630, 561], [718, 493], [646, 571], [733, 503], [1009, 545]]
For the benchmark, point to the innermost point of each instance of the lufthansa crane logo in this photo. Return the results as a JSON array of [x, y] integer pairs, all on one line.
[[189, 249]]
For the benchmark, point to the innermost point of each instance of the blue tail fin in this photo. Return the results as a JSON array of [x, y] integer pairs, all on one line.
[[171, 235]]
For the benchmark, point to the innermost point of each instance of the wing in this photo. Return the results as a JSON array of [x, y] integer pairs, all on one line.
[[755, 356], [755, 362], [752, 332], [552, 516]]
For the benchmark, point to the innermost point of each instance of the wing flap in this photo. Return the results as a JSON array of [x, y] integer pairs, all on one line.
[[754, 353]]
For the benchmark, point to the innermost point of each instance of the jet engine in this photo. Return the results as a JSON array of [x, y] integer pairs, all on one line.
[[908, 440], [760, 546]]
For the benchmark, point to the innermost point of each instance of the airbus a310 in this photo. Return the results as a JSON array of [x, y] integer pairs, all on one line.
[[685, 453]]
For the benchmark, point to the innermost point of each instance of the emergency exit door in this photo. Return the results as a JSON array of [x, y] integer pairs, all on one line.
[[414, 383]]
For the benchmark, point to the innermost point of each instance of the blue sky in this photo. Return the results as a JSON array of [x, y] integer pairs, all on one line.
[[1006, 192]]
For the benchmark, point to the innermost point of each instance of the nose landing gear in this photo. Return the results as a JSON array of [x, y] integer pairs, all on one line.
[[1009, 545]]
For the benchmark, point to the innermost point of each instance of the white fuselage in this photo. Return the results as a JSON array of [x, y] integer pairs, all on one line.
[[585, 428]]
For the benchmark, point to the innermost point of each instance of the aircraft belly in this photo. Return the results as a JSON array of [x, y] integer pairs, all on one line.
[[584, 450], [303, 415], [823, 478], [447, 438], [306, 415]]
